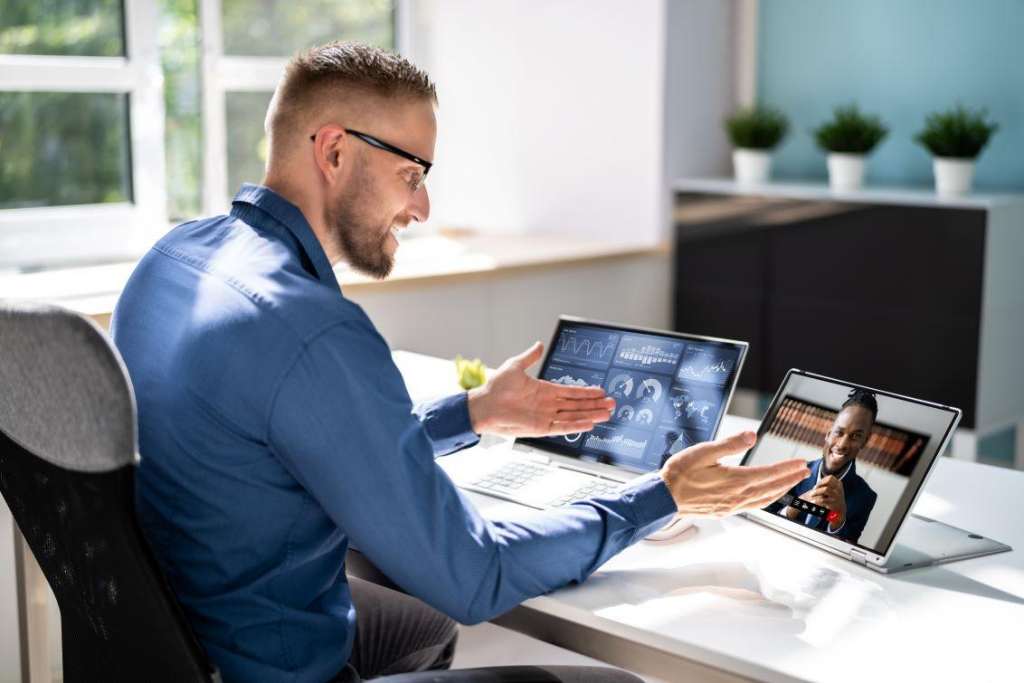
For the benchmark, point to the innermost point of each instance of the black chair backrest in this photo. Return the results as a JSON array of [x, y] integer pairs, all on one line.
[[67, 467]]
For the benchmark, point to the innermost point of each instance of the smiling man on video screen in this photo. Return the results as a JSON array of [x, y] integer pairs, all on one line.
[[834, 482]]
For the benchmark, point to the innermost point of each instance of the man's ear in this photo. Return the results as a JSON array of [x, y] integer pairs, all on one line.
[[328, 152]]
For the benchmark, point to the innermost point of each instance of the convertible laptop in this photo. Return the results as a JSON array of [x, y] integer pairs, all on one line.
[[866, 472], [671, 391]]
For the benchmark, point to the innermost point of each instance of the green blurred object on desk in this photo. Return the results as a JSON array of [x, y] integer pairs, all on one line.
[[472, 373]]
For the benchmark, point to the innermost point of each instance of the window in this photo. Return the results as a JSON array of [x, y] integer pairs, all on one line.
[[245, 51], [90, 28], [81, 131], [119, 117], [62, 148]]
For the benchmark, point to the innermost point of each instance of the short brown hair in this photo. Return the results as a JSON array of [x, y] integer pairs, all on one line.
[[345, 66]]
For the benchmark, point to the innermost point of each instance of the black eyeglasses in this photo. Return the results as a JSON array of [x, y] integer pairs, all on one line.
[[380, 144]]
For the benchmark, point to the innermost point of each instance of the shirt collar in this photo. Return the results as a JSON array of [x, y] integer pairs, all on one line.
[[286, 214], [846, 470]]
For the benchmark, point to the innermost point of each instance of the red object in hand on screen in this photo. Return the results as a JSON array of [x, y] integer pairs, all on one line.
[[832, 517]]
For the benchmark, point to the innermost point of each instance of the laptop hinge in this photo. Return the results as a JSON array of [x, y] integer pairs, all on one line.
[[530, 453], [858, 556]]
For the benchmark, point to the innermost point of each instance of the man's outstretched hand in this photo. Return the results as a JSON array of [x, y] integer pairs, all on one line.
[[701, 487], [513, 403]]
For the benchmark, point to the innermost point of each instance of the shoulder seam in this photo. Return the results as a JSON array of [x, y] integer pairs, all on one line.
[[254, 297]]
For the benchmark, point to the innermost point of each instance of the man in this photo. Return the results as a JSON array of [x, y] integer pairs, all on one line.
[[834, 482], [275, 429]]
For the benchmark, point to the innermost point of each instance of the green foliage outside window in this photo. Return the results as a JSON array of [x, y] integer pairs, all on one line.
[[60, 148], [183, 123], [73, 148], [247, 143], [272, 28], [62, 27]]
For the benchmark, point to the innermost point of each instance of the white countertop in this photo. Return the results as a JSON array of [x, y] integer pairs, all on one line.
[[748, 600], [909, 196]]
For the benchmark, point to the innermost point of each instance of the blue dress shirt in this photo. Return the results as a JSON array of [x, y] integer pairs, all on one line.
[[274, 429]]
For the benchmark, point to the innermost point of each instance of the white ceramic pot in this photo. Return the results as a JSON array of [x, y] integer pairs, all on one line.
[[953, 177], [751, 166], [845, 171]]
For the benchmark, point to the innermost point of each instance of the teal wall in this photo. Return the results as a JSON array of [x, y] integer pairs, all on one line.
[[900, 59]]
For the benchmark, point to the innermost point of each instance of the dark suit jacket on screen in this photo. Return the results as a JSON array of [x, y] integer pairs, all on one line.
[[860, 500]]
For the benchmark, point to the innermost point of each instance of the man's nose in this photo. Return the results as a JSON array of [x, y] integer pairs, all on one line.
[[419, 205]]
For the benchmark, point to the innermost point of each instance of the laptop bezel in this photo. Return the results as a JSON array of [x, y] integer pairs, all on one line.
[[566, 457], [851, 551]]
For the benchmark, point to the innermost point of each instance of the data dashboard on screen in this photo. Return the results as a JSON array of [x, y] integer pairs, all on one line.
[[670, 390]]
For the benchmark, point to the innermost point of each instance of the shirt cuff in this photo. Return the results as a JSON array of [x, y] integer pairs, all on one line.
[[828, 527], [651, 502], [447, 423]]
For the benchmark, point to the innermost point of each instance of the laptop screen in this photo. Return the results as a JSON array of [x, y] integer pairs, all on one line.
[[671, 390], [868, 452]]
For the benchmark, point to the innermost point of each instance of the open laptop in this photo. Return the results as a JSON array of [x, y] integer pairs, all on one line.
[[881, 464], [670, 389]]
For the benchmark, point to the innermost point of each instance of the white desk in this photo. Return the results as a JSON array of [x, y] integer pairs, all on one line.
[[735, 600]]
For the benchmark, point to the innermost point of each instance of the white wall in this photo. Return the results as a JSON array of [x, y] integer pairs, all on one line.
[[550, 114], [702, 64], [495, 316]]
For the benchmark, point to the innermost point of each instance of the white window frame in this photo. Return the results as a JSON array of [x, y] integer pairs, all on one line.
[[59, 235], [227, 73]]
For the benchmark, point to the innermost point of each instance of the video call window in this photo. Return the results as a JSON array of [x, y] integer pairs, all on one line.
[[867, 452], [669, 392]]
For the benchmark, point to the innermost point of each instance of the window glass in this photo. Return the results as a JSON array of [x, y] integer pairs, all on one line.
[[247, 143], [62, 27], [63, 148], [270, 28], [183, 129]]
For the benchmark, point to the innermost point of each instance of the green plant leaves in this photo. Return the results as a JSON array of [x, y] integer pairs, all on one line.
[[850, 131], [957, 133], [757, 127]]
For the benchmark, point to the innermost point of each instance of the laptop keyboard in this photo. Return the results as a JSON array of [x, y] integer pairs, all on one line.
[[598, 488], [515, 475]]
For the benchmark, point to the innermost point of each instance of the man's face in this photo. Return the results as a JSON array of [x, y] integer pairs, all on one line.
[[848, 435], [379, 196]]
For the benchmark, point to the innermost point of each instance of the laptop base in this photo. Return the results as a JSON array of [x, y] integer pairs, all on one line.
[[924, 542]]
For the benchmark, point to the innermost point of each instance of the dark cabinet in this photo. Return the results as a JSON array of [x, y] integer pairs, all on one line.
[[884, 294]]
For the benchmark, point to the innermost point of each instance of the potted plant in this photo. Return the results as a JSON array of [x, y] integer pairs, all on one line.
[[955, 138], [754, 132], [848, 138]]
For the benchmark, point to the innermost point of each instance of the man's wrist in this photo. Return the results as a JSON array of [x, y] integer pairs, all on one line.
[[447, 423], [476, 400]]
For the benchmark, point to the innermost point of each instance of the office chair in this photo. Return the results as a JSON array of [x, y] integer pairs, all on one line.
[[67, 467]]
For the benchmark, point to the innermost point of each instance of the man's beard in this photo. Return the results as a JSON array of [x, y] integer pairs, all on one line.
[[359, 234]]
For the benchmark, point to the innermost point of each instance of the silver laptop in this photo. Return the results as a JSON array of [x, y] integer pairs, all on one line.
[[878, 448], [670, 389]]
